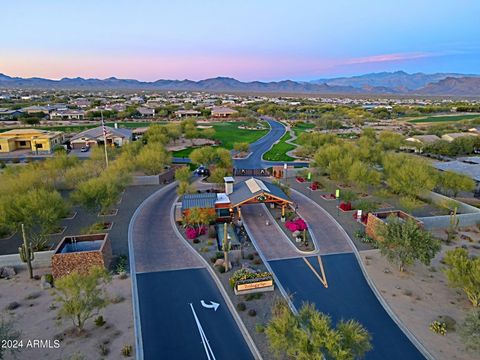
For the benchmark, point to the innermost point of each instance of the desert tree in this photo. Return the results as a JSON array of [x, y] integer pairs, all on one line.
[[463, 272], [404, 242], [82, 296]]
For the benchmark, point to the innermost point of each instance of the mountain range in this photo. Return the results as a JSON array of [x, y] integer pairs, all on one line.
[[399, 82]]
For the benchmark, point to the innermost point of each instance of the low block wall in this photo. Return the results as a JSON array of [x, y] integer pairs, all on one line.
[[42, 259], [163, 178], [468, 215]]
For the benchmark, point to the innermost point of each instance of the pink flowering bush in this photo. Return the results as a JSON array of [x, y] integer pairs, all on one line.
[[191, 232], [296, 225]]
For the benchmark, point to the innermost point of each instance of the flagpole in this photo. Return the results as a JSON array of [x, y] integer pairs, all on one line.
[[104, 139]]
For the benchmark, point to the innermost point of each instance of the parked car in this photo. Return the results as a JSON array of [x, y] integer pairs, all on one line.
[[202, 171], [84, 149]]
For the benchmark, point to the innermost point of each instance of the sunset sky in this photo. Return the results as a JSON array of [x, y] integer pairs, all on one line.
[[248, 39]]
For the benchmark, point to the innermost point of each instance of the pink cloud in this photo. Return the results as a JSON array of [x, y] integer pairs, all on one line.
[[388, 58]]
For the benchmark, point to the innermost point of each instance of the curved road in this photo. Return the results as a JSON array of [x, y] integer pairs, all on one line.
[[258, 148], [170, 283]]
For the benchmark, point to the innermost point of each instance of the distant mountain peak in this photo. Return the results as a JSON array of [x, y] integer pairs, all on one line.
[[398, 82]]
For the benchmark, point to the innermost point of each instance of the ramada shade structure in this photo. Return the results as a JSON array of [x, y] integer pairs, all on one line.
[[251, 191]]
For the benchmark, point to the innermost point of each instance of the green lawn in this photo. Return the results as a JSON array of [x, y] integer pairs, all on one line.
[[183, 153], [445, 118], [301, 128], [279, 151], [228, 133]]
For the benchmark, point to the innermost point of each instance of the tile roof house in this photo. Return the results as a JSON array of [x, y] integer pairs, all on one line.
[[452, 136], [223, 112], [69, 114], [146, 112], [185, 113], [92, 137], [423, 139]]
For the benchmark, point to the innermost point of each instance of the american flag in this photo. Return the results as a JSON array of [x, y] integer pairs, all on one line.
[[104, 129]]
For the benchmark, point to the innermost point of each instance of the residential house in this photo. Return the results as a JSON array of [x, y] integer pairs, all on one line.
[[223, 112], [67, 114], [423, 139], [119, 107], [38, 141], [452, 136], [92, 137], [7, 114], [187, 113], [146, 112], [82, 103], [35, 109]]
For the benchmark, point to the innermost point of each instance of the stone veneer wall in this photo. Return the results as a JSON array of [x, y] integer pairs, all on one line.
[[372, 223], [82, 261]]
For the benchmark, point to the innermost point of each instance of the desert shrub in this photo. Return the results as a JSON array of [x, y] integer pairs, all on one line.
[[250, 256], [438, 327], [241, 306], [449, 322], [49, 278], [257, 261], [127, 350], [213, 259], [103, 349], [252, 312], [196, 241], [260, 328], [220, 268], [253, 296], [121, 264], [99, 321]]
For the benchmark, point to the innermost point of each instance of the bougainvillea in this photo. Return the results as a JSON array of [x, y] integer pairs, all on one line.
[[296, 225], [191, 232]]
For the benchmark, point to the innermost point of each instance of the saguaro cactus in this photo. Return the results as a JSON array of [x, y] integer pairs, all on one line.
[[453, 227], [26, 253]]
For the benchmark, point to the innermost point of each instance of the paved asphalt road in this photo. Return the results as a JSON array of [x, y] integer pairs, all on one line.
[[348, 296], [258, 148], [168, 324], [169, 277]]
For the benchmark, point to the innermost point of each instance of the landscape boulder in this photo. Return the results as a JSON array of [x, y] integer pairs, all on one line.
[[7, 272], [219, 262]]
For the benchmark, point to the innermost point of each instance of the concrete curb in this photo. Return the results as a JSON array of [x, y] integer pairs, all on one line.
[[370, 282], [246, 335], [133, 273]]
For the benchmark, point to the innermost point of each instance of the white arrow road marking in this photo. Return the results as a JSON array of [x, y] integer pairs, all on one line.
[[213, 305], [206, 344]]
